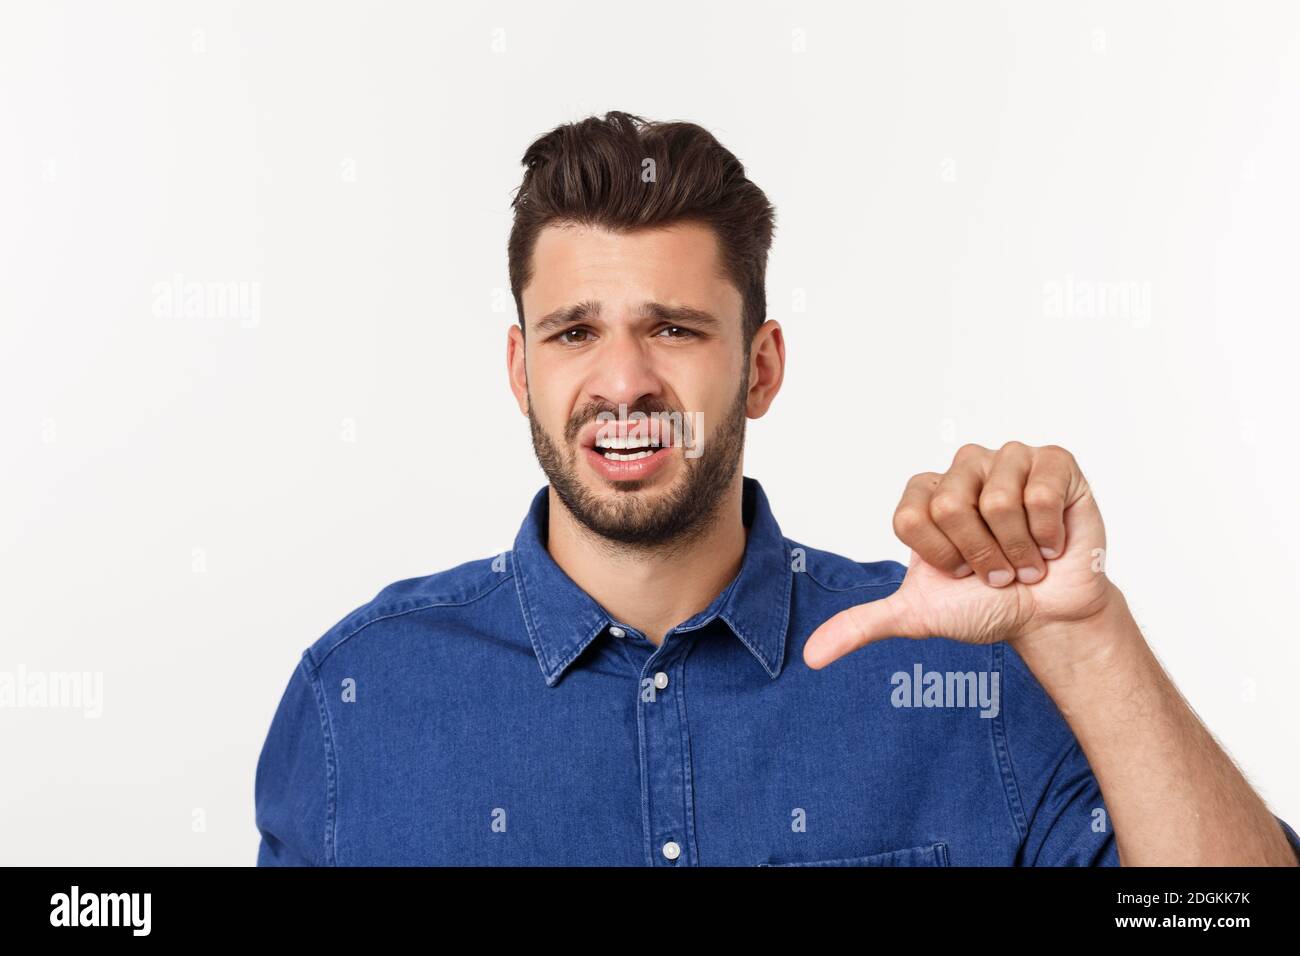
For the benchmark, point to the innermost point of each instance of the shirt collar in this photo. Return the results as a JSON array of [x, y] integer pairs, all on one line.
[[562, 619]]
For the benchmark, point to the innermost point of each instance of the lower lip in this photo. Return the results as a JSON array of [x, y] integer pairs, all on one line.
[[637, 470]]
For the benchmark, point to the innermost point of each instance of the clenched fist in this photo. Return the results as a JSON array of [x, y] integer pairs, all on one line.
[[1006, 545]]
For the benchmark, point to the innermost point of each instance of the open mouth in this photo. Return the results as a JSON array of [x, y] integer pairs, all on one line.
[[619, 452], [626, 449]]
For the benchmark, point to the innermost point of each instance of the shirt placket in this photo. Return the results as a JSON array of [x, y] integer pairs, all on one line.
[[665, 759]]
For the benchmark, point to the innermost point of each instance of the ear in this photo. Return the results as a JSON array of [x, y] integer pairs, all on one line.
[[517, 367], [766, 368]]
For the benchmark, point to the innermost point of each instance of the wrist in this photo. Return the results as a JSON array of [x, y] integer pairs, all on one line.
[[1096, 646]]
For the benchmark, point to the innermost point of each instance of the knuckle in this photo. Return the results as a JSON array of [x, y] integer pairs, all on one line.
[[983, 555], [1059, 451], [1021, 554], [945, 507], [908, 521], [1041, 498], [998, 502]]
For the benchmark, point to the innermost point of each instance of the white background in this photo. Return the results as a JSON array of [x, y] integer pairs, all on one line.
[[188, 502]]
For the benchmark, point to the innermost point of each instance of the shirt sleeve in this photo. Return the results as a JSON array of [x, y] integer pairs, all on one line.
[[1053, 796], [1291, 836], [1070, 825], [293, 788], [1073, 798]]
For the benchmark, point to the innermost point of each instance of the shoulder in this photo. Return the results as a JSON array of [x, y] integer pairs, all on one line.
[[835, 572], [454, 590]]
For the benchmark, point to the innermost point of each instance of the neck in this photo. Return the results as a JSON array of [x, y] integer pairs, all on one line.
[[652, 590]]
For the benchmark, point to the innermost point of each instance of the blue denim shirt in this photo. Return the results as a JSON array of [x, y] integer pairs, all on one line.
[[495, 714]]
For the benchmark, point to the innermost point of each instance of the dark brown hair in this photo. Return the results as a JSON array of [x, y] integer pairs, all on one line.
[[591, 173]]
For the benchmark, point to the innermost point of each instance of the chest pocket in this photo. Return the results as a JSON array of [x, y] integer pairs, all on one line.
[[934, 854]]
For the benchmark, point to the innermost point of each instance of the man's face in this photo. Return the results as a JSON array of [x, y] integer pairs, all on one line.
[[645, 320]]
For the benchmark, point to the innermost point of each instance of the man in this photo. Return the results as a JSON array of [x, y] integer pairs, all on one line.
[[626, 685]]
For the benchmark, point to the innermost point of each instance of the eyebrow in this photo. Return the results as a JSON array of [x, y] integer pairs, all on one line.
[[582, 311]]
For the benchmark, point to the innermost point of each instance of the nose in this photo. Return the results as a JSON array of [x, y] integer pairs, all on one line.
[[625, 371]]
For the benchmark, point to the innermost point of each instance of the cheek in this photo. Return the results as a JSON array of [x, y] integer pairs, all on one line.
[[553, 401], [713, 394]]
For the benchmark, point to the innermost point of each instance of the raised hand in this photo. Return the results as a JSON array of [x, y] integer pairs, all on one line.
[[1006, 545]]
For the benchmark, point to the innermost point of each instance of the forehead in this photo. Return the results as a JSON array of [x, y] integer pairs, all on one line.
[[680, 263]]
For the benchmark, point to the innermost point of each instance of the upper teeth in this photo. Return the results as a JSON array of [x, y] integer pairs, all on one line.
[[644, 442]]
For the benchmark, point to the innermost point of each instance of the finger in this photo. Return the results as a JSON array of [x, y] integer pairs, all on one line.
[[916, 529], [859, 626], [1046, 493], [955, 509], [1002, 503]]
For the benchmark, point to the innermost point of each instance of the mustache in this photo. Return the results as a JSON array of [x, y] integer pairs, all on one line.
[[592, 410]]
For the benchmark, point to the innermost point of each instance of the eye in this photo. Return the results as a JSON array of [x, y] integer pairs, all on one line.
[[681, 332], [577, 330]]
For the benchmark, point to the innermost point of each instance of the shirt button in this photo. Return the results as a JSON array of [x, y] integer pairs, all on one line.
[[617, 632], [661, 681], [671, 850]]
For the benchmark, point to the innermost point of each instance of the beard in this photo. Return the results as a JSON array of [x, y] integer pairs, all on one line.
[[630, 516]]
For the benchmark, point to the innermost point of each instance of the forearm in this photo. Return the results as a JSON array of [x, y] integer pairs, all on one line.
[[1174, 797]]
